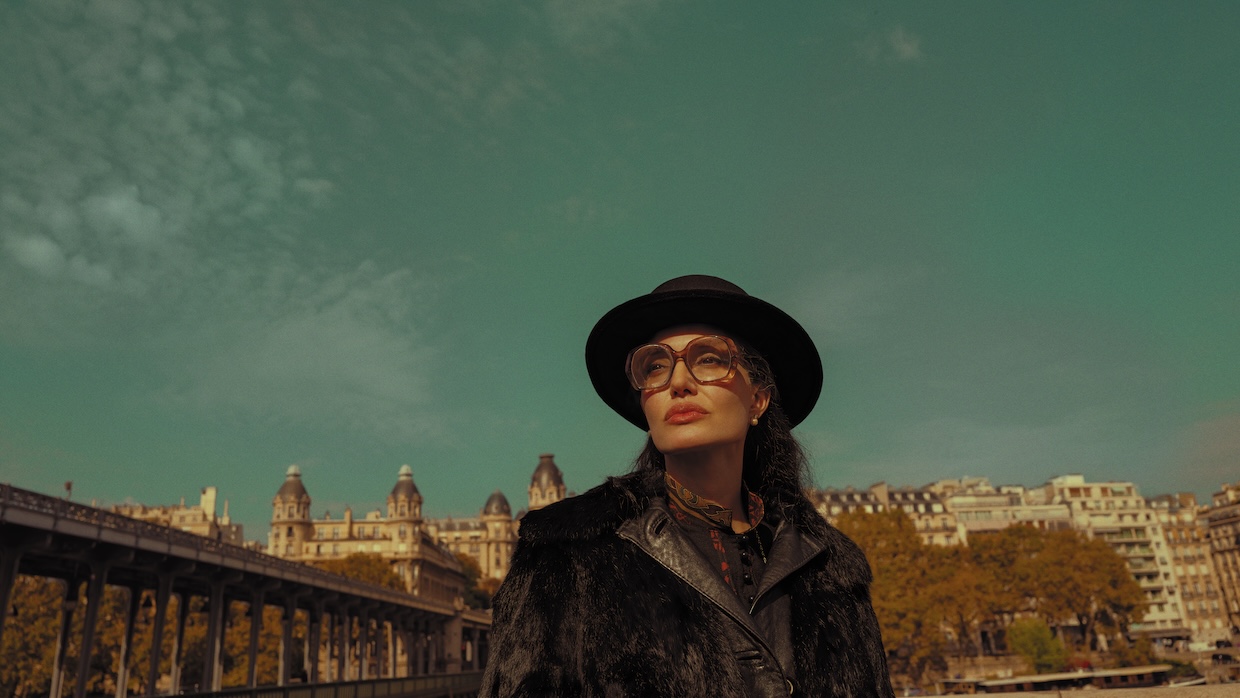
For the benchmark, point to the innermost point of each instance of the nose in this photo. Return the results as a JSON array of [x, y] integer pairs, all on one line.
[[681, 381]]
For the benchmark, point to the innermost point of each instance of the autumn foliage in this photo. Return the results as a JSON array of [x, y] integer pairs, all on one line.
[[934, 602]]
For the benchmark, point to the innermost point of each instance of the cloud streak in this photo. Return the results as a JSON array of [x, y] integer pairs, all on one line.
[[896, 45]]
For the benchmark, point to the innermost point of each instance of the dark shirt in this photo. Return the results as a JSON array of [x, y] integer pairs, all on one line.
[[740, 558]]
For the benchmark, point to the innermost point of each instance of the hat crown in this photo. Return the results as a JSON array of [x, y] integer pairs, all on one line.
[[698, 282]]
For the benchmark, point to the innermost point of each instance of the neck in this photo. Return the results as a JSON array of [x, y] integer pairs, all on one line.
[[713, 474]]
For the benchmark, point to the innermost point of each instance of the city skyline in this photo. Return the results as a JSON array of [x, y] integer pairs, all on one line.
[[236, 237], [518, 501]]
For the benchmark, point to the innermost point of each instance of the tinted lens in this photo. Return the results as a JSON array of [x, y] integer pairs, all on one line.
[[650, 366], [709, 359]]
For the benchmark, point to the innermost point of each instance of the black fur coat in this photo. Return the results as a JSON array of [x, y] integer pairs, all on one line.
[[597, 604]]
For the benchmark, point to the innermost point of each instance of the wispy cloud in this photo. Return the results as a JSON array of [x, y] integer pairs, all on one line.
[[846, 300], [895, 45], [150, 184], [348, 356]]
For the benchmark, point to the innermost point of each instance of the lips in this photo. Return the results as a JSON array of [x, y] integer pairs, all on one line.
[[684, 413]]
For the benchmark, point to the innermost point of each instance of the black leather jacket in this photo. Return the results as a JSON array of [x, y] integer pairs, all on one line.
[[606, 596], [760, 636]]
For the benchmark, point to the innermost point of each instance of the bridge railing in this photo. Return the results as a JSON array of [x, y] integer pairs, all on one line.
[[463, 685]]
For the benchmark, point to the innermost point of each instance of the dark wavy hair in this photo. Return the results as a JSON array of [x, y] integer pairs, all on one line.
[[775, 464]]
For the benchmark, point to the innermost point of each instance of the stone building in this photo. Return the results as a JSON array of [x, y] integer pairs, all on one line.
[[399, 535], [1224, 526], [1187, 535], [981, 508], [1116, 513], [491, 537], [934, 523], [200, 520]]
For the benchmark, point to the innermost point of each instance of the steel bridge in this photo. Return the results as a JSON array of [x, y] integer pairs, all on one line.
[[420, 647]]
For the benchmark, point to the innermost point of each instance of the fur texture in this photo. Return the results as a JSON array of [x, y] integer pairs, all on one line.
[[584, 612]]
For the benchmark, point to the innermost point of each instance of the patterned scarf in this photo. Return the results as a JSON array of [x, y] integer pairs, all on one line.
[[709, 510]]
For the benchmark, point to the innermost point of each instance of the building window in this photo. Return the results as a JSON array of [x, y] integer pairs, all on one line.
[[335, 536]]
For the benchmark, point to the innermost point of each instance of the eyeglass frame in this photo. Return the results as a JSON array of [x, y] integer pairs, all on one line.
[[734, 361]]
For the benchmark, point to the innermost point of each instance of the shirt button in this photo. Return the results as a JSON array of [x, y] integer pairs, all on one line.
[[748, 579]]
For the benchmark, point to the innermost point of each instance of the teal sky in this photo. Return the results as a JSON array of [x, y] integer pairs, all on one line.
[[237, 236]]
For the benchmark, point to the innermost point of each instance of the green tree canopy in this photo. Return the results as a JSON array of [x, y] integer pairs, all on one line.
[[1032, 639]]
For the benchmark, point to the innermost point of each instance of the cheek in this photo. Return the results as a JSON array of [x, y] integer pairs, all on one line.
[[649, 405]]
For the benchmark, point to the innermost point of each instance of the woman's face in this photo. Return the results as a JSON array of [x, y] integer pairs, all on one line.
[[685, 415]]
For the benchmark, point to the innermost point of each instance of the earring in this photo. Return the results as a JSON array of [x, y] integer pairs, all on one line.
[[754, 421]]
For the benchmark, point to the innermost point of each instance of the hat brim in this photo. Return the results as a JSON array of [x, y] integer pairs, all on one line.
[[771, 332]]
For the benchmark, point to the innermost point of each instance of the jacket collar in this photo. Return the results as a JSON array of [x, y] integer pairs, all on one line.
[[601, 512]]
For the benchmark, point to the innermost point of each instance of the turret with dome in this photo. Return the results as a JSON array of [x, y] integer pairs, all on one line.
[[547, 483], [405, 502], [290, 515]]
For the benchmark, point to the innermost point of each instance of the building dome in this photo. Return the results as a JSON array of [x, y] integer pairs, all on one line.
[[547, 475], [497, 505], [404, 484], [292, 487]]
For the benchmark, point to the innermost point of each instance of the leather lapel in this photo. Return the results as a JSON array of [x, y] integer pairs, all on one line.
[[790, 551], [656, 534]]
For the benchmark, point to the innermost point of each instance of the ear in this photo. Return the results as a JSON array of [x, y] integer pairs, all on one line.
[[761, 401]]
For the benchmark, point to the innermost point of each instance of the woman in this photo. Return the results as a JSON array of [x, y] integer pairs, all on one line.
[[706, 571]]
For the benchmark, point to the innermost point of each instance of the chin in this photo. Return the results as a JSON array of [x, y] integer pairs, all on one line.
[[687, 443]]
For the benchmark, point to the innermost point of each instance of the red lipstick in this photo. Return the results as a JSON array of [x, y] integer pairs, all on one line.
[[684, 413]]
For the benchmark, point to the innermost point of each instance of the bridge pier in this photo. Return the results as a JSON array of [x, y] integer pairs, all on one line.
[[9, 558], [68, 604], [256, 629], [131, 615], [178, 640], [363, 639], [390, 625], [94, 595], [162, 594], [343, 658], [212, 666], [312, 642]]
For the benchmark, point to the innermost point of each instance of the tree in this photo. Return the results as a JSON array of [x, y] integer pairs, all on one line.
[[365, 567], [1009, 556], [966, 596], [30, 636], [1032, 639], [904, 577], [477, 592], [1091, 585]]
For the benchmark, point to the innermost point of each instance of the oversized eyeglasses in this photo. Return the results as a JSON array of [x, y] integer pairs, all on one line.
[[710, 359]]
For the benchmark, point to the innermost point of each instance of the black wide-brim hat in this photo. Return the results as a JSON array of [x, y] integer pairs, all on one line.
[[704, 300]]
